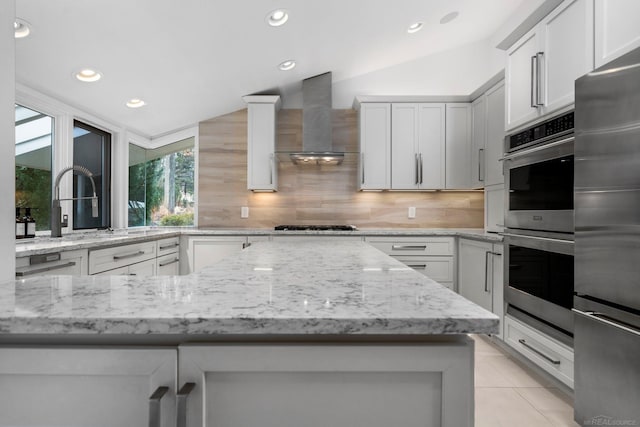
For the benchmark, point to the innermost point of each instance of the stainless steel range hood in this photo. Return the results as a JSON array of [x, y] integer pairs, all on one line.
[[316, 123]]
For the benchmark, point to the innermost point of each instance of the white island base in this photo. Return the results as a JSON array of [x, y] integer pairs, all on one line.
[[422, 383]]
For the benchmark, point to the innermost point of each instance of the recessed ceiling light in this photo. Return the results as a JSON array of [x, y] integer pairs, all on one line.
[[88, 75], [21, 28], [414, 28], [135, 103], [287, 65], [277, 17], [449, 17]]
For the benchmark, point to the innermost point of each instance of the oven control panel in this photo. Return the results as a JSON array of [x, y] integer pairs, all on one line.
[[542, 132]]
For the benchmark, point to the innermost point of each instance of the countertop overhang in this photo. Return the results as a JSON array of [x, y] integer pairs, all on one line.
[[270, 289]]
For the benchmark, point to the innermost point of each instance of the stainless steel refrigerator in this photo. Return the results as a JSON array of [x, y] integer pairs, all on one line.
[[607, 244]]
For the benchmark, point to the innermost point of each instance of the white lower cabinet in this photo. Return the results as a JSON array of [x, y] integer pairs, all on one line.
[[313, 385], [114, 258], [549, 354], [480, 275], [89, 387], [431, 256], [203, 251], [68, 262]]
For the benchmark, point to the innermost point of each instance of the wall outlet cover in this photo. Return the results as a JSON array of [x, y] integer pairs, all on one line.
[[244, 212], [412, 212]]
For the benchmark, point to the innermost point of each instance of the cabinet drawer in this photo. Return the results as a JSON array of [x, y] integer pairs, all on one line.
[[413, 245], [549, 354], [53, 264], [110, 258], [168, 246], [168, 265], [438, 268]]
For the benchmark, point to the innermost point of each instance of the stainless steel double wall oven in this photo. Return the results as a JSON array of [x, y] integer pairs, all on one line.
[[539, 264]]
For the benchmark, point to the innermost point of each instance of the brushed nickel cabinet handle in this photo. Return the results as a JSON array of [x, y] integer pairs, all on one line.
[[534, 103], [480, 163], [362, 163], [423, 266], [421, 176], [129, 255], [417, 170], [271, 168], [539, 82], [162, 264], [409, 247], [486, 270], [181, 398], [172, 245], [538, 352], [155, 419]]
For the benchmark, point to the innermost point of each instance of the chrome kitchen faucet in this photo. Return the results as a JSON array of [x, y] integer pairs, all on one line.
[[56, 210]]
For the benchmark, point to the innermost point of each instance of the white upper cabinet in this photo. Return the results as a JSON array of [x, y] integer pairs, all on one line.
[[417, 146], [543, 65], [617, 28], [458, 147], [478, 141], [567, 52], [262, 170], [375, 147], [494, 145], [520, 79]]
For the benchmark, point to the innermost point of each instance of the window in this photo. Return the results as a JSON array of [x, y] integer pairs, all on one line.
[[34, 135], [91, 149], [161, 184]]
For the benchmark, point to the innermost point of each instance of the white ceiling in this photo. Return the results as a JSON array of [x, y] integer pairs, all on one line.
[[191, 60]]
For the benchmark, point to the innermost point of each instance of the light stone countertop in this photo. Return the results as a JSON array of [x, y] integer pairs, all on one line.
[[93, 240], [301, 288]]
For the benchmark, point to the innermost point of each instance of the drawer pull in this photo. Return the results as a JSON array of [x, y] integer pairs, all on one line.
[[154, 406], [129, 255], [162, 264], [417, 265], [409, 247], [44, 269], [172, 245], [538, 352]]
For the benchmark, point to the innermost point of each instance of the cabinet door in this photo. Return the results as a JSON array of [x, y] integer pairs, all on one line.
[[261, 137], [494, 148], [617, 30], [473, 272], [519, 76], [207, 251], [431, 145], [478, 141], [327, 385], [458, 146], [85, 387], [567, 35], [72, 263], [375, 147], [404, 141], [497, 278], [145, 268], [494, 208]]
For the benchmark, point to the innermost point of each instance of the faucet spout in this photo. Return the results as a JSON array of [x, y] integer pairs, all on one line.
[[56, 209]]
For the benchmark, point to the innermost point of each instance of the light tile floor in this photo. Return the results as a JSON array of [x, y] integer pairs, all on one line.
[[508, 394]]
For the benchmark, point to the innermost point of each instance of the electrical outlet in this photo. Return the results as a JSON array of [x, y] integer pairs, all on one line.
[[244, 212], [412, 212]]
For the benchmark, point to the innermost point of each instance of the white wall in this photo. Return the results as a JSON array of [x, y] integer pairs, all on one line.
[[7, 141]]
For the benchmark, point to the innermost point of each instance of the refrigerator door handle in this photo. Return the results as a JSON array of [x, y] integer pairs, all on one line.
[[603, 318]]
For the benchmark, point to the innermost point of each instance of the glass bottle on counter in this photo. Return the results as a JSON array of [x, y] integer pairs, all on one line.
[[20, 226], [30, 224]]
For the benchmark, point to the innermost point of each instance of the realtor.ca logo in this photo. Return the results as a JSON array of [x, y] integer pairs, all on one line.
[[603, 420]]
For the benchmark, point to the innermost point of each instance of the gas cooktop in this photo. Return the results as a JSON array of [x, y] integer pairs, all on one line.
[[315, 227]]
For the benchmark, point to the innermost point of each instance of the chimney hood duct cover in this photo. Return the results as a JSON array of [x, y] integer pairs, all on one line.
[[316, 123]]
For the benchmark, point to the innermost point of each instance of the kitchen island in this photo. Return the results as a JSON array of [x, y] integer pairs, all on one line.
[[313, 333]]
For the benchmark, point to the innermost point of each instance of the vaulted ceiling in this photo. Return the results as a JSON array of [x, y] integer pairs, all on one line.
[[190, 60]]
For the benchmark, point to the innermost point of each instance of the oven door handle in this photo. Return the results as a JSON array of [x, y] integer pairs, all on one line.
[[536, 149], [544, 239]]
